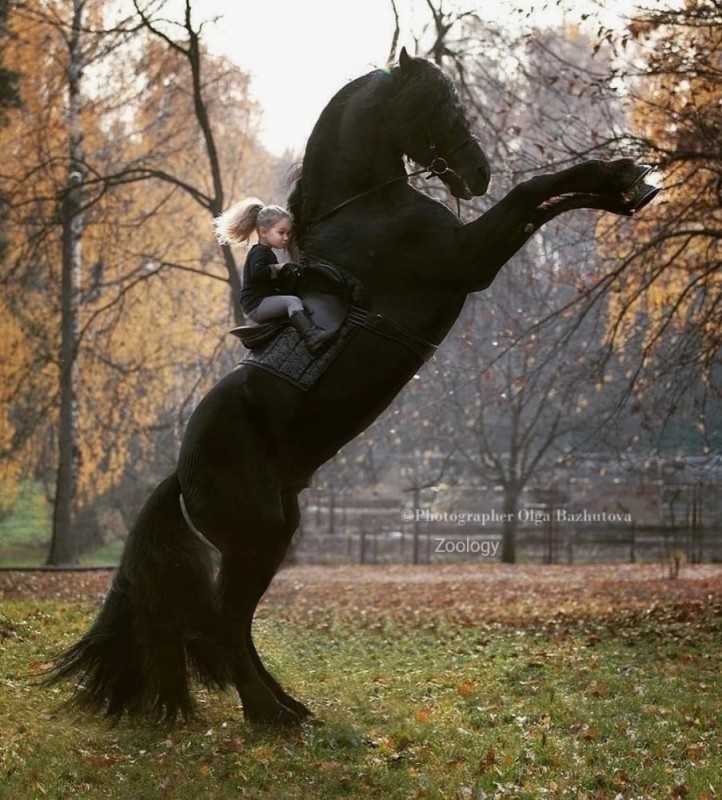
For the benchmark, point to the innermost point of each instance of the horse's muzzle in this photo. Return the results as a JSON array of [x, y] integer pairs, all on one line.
[[465, 184], [479, 176], [475, 173], [483, 180]]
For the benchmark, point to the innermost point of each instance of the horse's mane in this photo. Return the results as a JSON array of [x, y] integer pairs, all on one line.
[[408, 95]]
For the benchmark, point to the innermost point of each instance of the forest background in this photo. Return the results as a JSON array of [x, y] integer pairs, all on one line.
[[596, 351]]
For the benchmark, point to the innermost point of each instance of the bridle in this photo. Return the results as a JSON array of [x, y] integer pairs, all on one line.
[[437, 166]]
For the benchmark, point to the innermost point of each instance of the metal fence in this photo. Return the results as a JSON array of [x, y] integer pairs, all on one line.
[[351, 529], [651, 523]]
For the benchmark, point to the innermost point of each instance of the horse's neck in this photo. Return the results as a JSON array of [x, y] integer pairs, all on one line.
[[350, 152]]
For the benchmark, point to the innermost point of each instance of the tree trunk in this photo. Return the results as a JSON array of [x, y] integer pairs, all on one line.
[[234, 281], [64, 547], [194, 59], [417, 527], [511, 508]]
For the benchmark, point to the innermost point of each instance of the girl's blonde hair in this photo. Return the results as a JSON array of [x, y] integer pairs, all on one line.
[[236, 225]]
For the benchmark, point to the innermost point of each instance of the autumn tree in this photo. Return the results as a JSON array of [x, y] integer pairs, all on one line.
[[58, 187], [666, 293], [143, 345], [520, 385], [9, 94], [651, 92], [9, 333], [71, 221], [530, 352]]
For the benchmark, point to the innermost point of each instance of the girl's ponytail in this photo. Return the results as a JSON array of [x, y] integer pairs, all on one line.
[[235, 225]]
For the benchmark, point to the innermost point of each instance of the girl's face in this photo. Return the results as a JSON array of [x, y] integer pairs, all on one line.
[[276, 235]]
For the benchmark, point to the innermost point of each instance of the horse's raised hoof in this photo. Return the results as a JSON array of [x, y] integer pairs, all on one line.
[[639, 194], [641, 172], [639, 197], [644, 195]]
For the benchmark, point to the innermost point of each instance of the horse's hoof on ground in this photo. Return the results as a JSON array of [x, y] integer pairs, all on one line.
[[298, 707], [279, 717]]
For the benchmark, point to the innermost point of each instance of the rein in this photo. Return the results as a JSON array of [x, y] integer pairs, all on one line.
[[437, 167]]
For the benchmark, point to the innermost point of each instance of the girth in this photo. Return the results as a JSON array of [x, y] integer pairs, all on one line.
[[386, 327]]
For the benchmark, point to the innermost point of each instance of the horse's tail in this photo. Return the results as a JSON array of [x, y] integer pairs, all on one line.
[[159, 625]]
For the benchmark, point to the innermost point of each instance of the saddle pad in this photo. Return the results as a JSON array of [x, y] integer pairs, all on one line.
[[287, 356]]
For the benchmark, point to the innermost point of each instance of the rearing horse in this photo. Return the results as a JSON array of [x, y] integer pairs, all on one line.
[[255, 440]]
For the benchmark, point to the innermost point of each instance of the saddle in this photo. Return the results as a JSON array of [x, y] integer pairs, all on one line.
[[326, 293], [336, 301]]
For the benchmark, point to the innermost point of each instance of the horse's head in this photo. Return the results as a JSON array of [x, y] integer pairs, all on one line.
[[433, 127]]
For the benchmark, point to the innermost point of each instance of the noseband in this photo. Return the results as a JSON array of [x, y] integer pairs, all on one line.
[[437, 167]]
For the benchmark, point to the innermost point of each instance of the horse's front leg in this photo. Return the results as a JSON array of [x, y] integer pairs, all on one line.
[[614, 180], [491, 240], [614, 186], [292, 518]]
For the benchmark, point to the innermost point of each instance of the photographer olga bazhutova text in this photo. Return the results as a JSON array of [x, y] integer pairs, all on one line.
[[526, 516]]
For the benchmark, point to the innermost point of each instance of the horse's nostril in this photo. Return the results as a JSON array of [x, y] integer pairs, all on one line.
[[484, 176]]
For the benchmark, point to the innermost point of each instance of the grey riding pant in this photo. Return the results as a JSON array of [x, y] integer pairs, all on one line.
[[278, 305]]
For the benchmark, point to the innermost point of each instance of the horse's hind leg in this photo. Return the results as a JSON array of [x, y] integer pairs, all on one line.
[[247, 569], [291, 519], [281, 695], [229, 477]]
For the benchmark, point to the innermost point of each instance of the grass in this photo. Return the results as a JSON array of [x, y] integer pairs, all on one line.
[[622, 708], [106, 555], [33, 554], [25, 530]]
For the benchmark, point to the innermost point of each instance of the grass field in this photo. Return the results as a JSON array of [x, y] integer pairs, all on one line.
[[449, 682], [25, 531]]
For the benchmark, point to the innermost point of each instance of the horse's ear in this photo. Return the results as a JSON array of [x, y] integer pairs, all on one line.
[[404, 59]]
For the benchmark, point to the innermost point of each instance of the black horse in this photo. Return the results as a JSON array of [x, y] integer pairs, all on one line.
[[255, 440]]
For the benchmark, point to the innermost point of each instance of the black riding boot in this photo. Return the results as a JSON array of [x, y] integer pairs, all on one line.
[[314, 336]]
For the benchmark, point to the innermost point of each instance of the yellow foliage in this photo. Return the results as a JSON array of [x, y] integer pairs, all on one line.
[[669, 278], [12, 357], [155, 304]]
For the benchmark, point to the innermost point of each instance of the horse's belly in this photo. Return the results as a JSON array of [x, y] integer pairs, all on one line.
[[352, 393]]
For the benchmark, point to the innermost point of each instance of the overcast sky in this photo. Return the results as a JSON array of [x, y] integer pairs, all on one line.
[[300, 52]]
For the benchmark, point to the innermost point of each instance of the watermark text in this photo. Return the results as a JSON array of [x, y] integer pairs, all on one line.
[[524, 516], [487, 548]]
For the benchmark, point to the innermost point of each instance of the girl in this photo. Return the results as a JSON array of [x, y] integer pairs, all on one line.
[[261, 296]]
